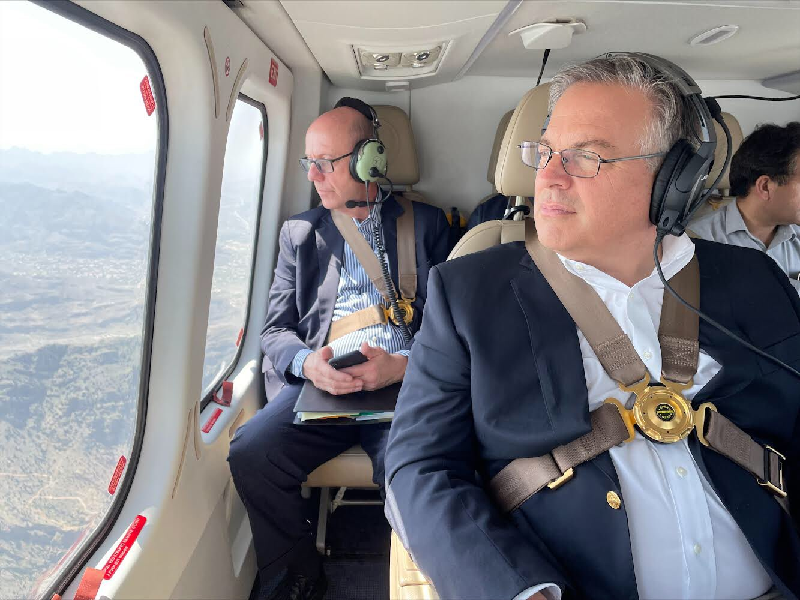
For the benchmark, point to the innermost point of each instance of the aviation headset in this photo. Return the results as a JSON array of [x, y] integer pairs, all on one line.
[[368, 161]]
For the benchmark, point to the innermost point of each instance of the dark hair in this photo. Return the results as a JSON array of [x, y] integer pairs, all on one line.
[[770, 150]]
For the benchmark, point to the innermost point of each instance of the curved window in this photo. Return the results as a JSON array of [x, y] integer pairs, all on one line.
[[239, 209], [79, 142]]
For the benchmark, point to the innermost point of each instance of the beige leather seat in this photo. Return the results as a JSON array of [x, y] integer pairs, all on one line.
[[406, 581], [722, 195], [511, 176], [353, 468]]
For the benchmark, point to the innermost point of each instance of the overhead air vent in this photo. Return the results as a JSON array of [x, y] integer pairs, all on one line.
[[398, 64]]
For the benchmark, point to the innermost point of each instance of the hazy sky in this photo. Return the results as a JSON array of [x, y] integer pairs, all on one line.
[[66, 88]]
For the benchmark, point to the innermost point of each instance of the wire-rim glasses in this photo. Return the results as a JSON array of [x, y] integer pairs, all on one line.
[[576, 162]]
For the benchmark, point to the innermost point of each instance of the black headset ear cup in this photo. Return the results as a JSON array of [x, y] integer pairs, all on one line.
[[354, 160], [664, 192]]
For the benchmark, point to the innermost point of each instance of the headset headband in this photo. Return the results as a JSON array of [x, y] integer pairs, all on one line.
[[690, 90], [363, 108]]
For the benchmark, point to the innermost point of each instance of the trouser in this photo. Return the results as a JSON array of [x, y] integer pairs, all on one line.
[[270, 457]]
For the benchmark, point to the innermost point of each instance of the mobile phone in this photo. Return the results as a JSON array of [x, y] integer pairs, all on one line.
[[350, 359]]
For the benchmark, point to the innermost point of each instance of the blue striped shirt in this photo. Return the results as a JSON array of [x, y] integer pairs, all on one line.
[[356, 292]]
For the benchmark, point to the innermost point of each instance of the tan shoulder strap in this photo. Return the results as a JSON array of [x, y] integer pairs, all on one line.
[[406, 250], [678, 330], [361, 248]]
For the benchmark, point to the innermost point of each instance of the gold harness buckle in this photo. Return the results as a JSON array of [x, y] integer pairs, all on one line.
[[405, 305], [775, 489], [559, 481]]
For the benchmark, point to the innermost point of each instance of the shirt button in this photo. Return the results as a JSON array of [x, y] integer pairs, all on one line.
[[580, 267], [647, 355], [630, 296], [681, 472], [697, 548]]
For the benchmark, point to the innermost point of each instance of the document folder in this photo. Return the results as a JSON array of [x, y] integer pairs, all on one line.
[[318, 407]]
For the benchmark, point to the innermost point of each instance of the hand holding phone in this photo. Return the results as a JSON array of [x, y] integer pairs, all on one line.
[[350, 359]]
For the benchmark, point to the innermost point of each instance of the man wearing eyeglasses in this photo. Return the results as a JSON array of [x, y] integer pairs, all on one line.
[[318, 284], [501, 376]]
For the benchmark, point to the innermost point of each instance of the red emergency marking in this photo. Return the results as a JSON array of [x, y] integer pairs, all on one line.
[[261, 137], [147, 95], [112, 487], [273, 72], [239, 339], [210, 423], [227, 66], [122, 549], [227, 393]]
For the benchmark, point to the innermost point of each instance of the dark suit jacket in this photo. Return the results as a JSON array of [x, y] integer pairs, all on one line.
[[306, 280], [491, 209], [497, 374]]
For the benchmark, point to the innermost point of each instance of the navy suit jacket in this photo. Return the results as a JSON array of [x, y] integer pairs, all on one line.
[[306, 280], [497, 374]]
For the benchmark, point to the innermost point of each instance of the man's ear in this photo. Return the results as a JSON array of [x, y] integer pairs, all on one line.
[[763, 187]]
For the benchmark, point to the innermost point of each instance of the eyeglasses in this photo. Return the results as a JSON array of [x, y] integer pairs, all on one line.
[[576, 162], [324, 165]]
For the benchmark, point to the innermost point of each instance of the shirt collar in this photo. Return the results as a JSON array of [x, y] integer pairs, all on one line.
[[366, 224], [734, 222], [677, 252], [733, 218]]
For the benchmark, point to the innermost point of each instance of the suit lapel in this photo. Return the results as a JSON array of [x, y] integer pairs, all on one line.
[[556, 353], [330, 247]]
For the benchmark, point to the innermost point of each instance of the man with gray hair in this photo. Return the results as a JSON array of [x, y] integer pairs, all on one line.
[[525, 461]]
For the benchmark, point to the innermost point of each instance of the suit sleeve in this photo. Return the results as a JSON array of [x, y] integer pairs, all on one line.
[[434, 500], [279, 339], [792, 465]]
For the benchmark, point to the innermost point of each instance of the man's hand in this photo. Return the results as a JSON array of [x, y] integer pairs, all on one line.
[[381, 368], [538, 596], [325, 377]]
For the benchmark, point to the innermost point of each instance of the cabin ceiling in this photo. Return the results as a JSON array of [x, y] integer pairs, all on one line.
[[766, 45]]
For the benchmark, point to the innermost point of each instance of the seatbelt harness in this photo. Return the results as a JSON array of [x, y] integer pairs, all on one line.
[[406, 265], [660, 411]]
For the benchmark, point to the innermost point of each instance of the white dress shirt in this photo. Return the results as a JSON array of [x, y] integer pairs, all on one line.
[[727, 226], [685, 544]]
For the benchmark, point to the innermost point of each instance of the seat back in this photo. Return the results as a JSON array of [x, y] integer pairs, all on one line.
[[722, 195]]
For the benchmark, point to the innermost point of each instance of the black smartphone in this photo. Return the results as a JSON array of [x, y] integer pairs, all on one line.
[[350, 359]]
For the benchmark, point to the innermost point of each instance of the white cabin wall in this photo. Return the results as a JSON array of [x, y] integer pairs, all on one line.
[[455, 123]]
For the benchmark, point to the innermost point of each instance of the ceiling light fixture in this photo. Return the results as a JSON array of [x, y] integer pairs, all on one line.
[[714, 35]]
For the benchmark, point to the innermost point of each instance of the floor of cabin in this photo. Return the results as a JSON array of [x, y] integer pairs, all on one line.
[[358, 539]]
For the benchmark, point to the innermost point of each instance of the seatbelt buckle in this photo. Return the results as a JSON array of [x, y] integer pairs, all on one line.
[[559, 481], [779, 489], [404, 304]]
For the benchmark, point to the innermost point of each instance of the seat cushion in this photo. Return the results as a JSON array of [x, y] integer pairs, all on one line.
[[406, 581], [352, 468]]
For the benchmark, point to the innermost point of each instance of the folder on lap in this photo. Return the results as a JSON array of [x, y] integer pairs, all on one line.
[[318, 407]]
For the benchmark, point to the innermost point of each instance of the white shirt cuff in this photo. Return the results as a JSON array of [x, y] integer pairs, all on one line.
[[550, 591]]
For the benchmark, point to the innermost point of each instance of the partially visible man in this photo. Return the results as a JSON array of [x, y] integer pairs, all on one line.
[[765, 178], [500, 372], [318, 287]]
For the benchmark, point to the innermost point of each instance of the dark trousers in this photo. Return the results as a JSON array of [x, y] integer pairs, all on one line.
[[270, 457]]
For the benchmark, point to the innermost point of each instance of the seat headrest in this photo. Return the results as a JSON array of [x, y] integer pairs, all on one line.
[[396, 133], [724, 184], [498, 140], [512, 177], [488, 234]]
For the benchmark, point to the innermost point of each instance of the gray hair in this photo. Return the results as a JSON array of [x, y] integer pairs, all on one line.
[[673, 117]]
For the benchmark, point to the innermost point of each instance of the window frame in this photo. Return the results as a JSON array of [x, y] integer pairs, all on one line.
[[217, 383], [114, 32]]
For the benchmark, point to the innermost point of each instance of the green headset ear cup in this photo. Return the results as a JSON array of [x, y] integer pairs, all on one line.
[[664, 193], [367, 155]]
